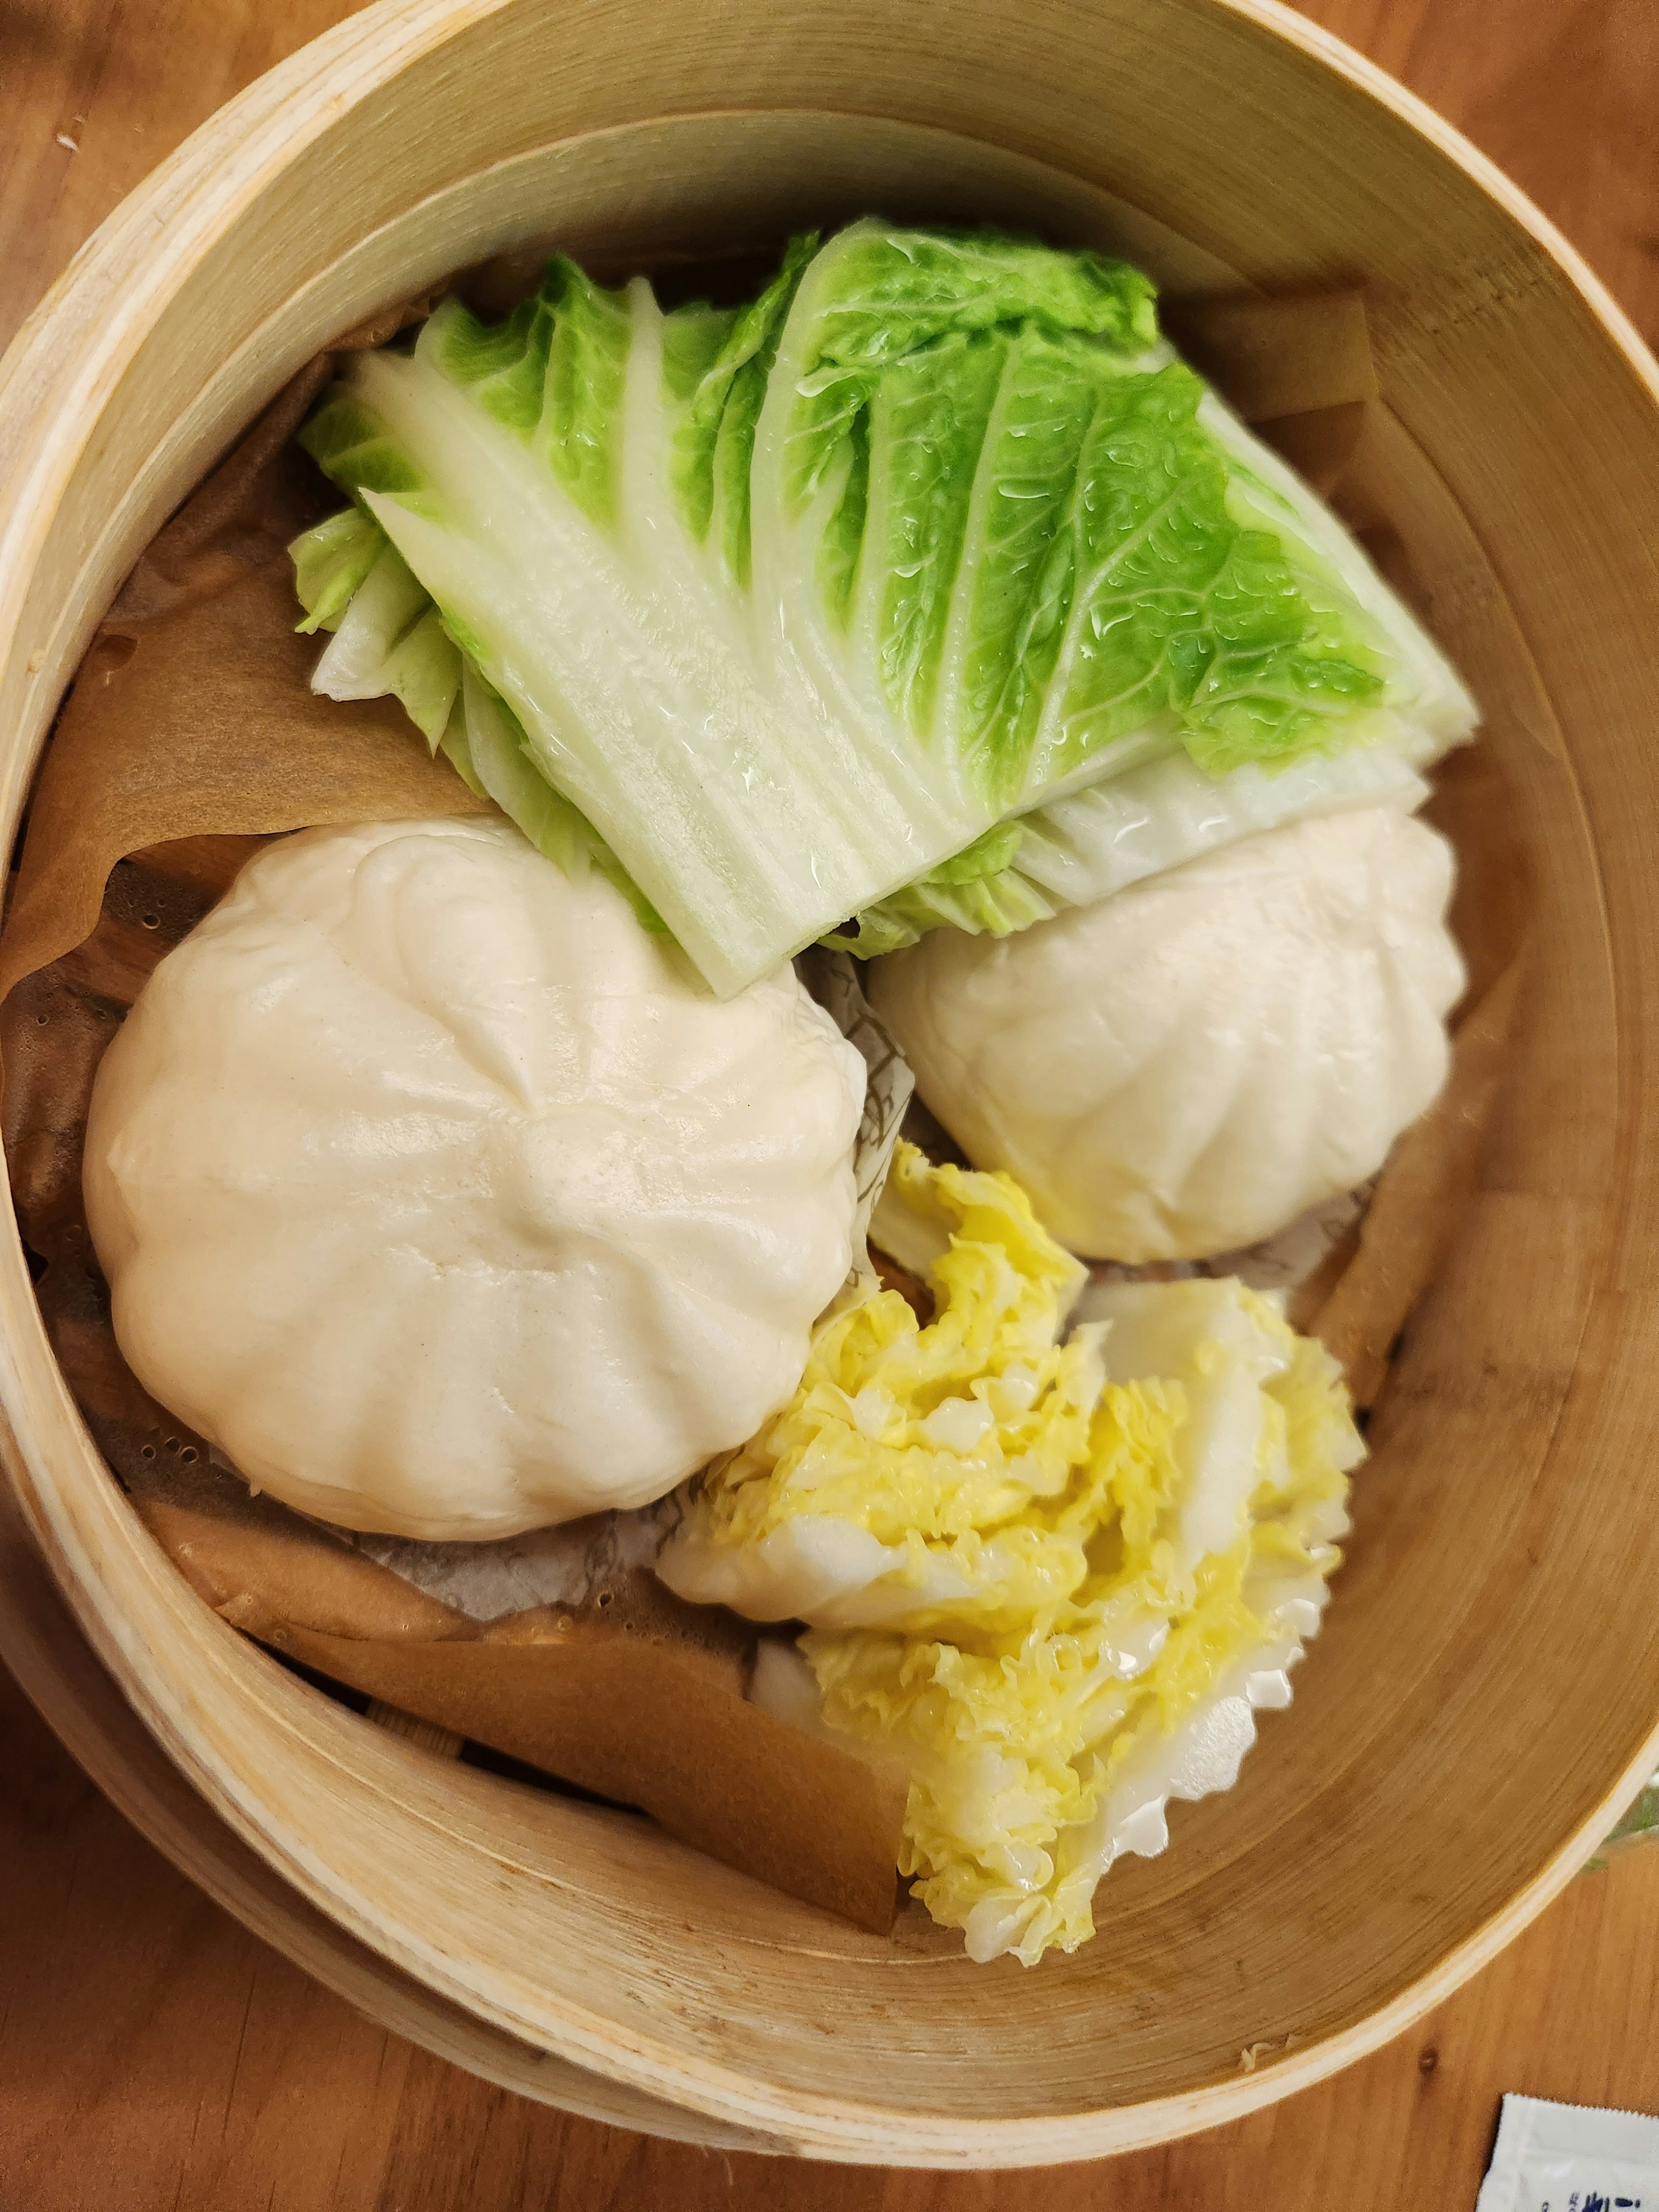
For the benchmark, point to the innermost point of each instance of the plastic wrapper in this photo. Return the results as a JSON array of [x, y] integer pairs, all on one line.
[[1570, 2158]]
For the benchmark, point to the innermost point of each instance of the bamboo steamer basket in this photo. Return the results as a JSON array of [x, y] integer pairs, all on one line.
[[1484, 1696]]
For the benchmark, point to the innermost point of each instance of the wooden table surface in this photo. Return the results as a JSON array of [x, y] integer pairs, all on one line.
[[155, 2058]]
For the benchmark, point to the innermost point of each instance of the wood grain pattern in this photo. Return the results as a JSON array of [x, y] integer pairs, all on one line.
[[155, 2058], [1561, 92]]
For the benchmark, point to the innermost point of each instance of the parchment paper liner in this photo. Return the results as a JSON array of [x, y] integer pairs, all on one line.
[[192, 734]]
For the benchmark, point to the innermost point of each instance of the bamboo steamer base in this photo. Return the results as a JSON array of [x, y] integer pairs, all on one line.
[[1484, 1695], [43, 1648]]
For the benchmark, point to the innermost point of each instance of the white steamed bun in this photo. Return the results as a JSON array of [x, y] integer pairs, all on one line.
[[434, 1192], [1188, 1065]]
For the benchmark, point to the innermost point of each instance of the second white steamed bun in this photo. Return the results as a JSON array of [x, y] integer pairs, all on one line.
[[1190, 1064]]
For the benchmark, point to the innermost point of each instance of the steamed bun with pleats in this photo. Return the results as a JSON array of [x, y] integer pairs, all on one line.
[[444, 1200], [1187, 1067]]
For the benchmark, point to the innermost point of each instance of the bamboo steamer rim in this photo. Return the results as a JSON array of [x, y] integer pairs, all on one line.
[[54, 386], [44, 1651]]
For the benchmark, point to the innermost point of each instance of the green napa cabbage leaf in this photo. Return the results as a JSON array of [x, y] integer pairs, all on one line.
[[795, 602], [390, 641]]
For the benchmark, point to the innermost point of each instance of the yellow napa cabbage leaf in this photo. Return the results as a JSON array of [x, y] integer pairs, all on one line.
[[1028, 1572], [930, 1440]]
